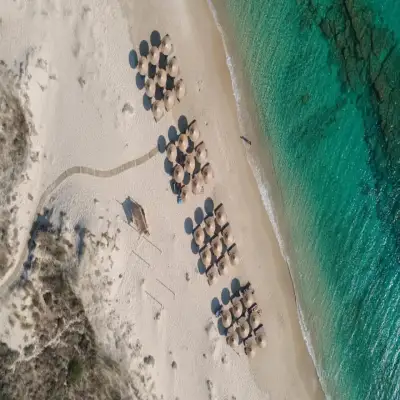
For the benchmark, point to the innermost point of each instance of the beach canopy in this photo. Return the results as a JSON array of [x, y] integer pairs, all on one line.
[[234, 255], [237, 308], [158, 110], [226, 318], [180, 89], [173, 67], [194, 131], [216, 246], [150, 87], [143, 66], [208, 173], [185, 193], [224, 261], [179, 173], [161, 77], [190, 163], [166, 45], [209, 223], [232, 339], [250, 349], [183, 142], [154, 55], [220, 216], [244, 329], [223, 268], [261, 339], [169, 99], [206, 257], [227, 235], [201, 153], [172, 152], [255, 320], [248, 299], [197, 184], [212, 276], [199, 236]]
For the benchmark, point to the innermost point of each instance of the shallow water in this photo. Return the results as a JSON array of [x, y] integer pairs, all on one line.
[[325, 77]]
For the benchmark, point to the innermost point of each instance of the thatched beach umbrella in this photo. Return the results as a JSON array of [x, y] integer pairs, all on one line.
[[234, 255], [197, 184], [237, 308], [173, 67], [161, 77], [172, 152], [158, 110], [212, 276], [201, 153], [169, 99], [166, 45], [244, 329], [199, 236], [207, 173], [226, 318], [183, 142], [248, 299], [150, 87], [220, 216], [194, 131], [227, 235], [250, 349], [206, 257], [223, 268], [185, 193], [143, 66], [190, 163], [209, 223], [154, 55], [261, 339], [179, 173], [255, 320], [180, 89], [216, 246], [232, 339], [223, 263]]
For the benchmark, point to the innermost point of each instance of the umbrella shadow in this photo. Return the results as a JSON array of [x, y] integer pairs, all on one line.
[[194, 247], [146, 102], [155, 38], [198, 215], [186, 179], [161, 144], [139, 81], [209, 206], [215, 305], [152, 71], [144, 48], [133, 59], [225, 296], [159, 95], [170, 82], [182, 124], [168, 167], [172, 134], [235, 286], [200, 266], [162, 63], [188, 226], [222, 331]]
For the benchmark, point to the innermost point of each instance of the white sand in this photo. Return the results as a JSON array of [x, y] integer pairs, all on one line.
[[82, 124]]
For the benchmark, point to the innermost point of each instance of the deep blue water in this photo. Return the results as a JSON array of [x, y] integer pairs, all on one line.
[[325, 77]]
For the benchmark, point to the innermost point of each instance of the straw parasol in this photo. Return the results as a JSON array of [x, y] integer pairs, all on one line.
[[255, 320], [220, 216], [158, 110], [161, 77], [150, 87], [179, 174], [223, 268], [180, 89], [216, 246], [201, 153], [143, 66], [248, 299], [154, 55], [227, 235], [197, 184], [212, 276], [233, 339], [209, 223], [194, 131], [224, 262], [199, 236], [208, 173], [234, 255], [206, 257], [250, 349], [173, 67], [244, 329], [185, 193], [226, 318], [190, 163], [166, 45], [169, 99], [183, 142], [261, 339], [237, 308], [172, 152]]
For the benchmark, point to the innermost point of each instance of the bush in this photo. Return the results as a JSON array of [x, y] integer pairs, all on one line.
[[75, 370]]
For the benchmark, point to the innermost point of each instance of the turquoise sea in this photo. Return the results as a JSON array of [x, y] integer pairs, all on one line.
[[325, 79]]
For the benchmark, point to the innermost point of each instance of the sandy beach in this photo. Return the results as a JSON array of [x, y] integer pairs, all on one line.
[[146, 296]]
